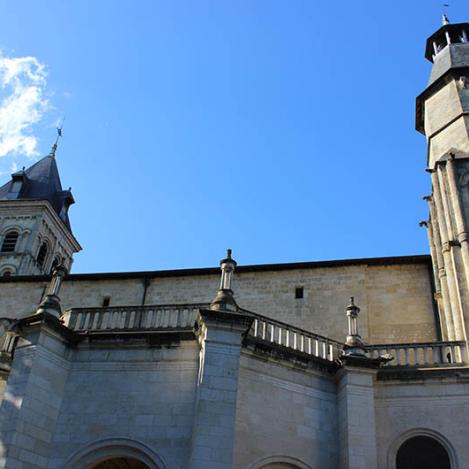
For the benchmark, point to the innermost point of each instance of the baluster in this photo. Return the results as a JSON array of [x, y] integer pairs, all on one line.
[[255, 324], [272, 332], [397, 354], [309, 345], [453, 354], [316, 347], [264, 326], [173, 317], [131, 323], [295, 345], [323, 350], [331, 353], [302, 343], [406, 355], [287, 337], [279, 335], [425, 355]]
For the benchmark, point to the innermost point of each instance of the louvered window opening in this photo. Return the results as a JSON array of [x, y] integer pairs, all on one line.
[[41, 257], [9, 243]]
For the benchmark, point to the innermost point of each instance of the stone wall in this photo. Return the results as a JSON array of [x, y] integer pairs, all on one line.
[[145, 394], [433, 407], [395, 300], [285, 414]]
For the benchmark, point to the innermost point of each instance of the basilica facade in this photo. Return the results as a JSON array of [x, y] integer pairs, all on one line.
[[350, 364]]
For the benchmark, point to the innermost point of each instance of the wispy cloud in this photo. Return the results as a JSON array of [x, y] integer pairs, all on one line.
[[23, 102]]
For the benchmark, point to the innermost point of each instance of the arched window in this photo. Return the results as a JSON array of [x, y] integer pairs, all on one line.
[[42, 254], [9, 242], [7, 273], [422, 452]]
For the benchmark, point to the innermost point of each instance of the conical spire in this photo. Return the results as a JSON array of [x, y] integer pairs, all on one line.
[[41, 181]]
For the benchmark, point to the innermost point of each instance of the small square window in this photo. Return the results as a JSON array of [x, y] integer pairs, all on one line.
[[299, 293]]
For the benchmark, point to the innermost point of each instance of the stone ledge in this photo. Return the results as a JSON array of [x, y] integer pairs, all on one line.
[[142, 338], [461, 373]]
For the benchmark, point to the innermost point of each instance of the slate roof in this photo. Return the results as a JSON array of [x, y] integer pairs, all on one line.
[[41, 181]]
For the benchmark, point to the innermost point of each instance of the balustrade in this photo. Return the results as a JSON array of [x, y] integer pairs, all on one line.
[[424, 354], [294, 338], [132, 317], [173, 317]]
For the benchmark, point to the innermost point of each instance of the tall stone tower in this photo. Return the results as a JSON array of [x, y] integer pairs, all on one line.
[[35, 231], [443, 117]]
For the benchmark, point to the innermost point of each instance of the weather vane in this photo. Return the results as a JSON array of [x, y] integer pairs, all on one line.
[[59, 135], [445, 13]]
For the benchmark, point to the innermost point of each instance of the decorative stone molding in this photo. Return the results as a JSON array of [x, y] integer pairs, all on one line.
[[279, 459], [117, 447]]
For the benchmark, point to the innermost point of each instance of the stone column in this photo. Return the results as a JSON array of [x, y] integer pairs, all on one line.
[[454, 298], [461, 228], [356, 414], [445, 312], [220, 335]]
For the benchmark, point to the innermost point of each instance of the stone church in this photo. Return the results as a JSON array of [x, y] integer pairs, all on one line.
[[246, 367]]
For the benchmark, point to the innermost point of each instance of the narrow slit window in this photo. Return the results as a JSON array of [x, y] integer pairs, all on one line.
[[299, 293], [42, 254], [106, 301], [9, 242]]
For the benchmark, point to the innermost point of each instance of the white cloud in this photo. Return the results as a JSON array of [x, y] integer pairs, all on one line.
[[22, 103]]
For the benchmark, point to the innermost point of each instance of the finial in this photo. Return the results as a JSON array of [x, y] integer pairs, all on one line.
[[353, 343], [445, 19], [51, 302], [224, 299], [59, 135]]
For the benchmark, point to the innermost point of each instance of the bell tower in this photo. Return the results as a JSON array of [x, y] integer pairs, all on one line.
[[443, 117], [35, 231]]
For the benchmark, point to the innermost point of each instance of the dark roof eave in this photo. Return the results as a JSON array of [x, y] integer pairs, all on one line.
[[373, 261]]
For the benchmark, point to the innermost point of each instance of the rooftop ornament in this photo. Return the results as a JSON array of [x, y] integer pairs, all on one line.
[[224, 299], [56, 144], [51, 302], [353, 344]]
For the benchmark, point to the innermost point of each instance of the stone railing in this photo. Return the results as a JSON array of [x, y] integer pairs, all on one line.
[[132, 318], [294, 338], [424, 354], [267, 330]]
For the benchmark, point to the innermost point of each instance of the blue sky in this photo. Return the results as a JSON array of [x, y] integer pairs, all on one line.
[[281, 129]]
